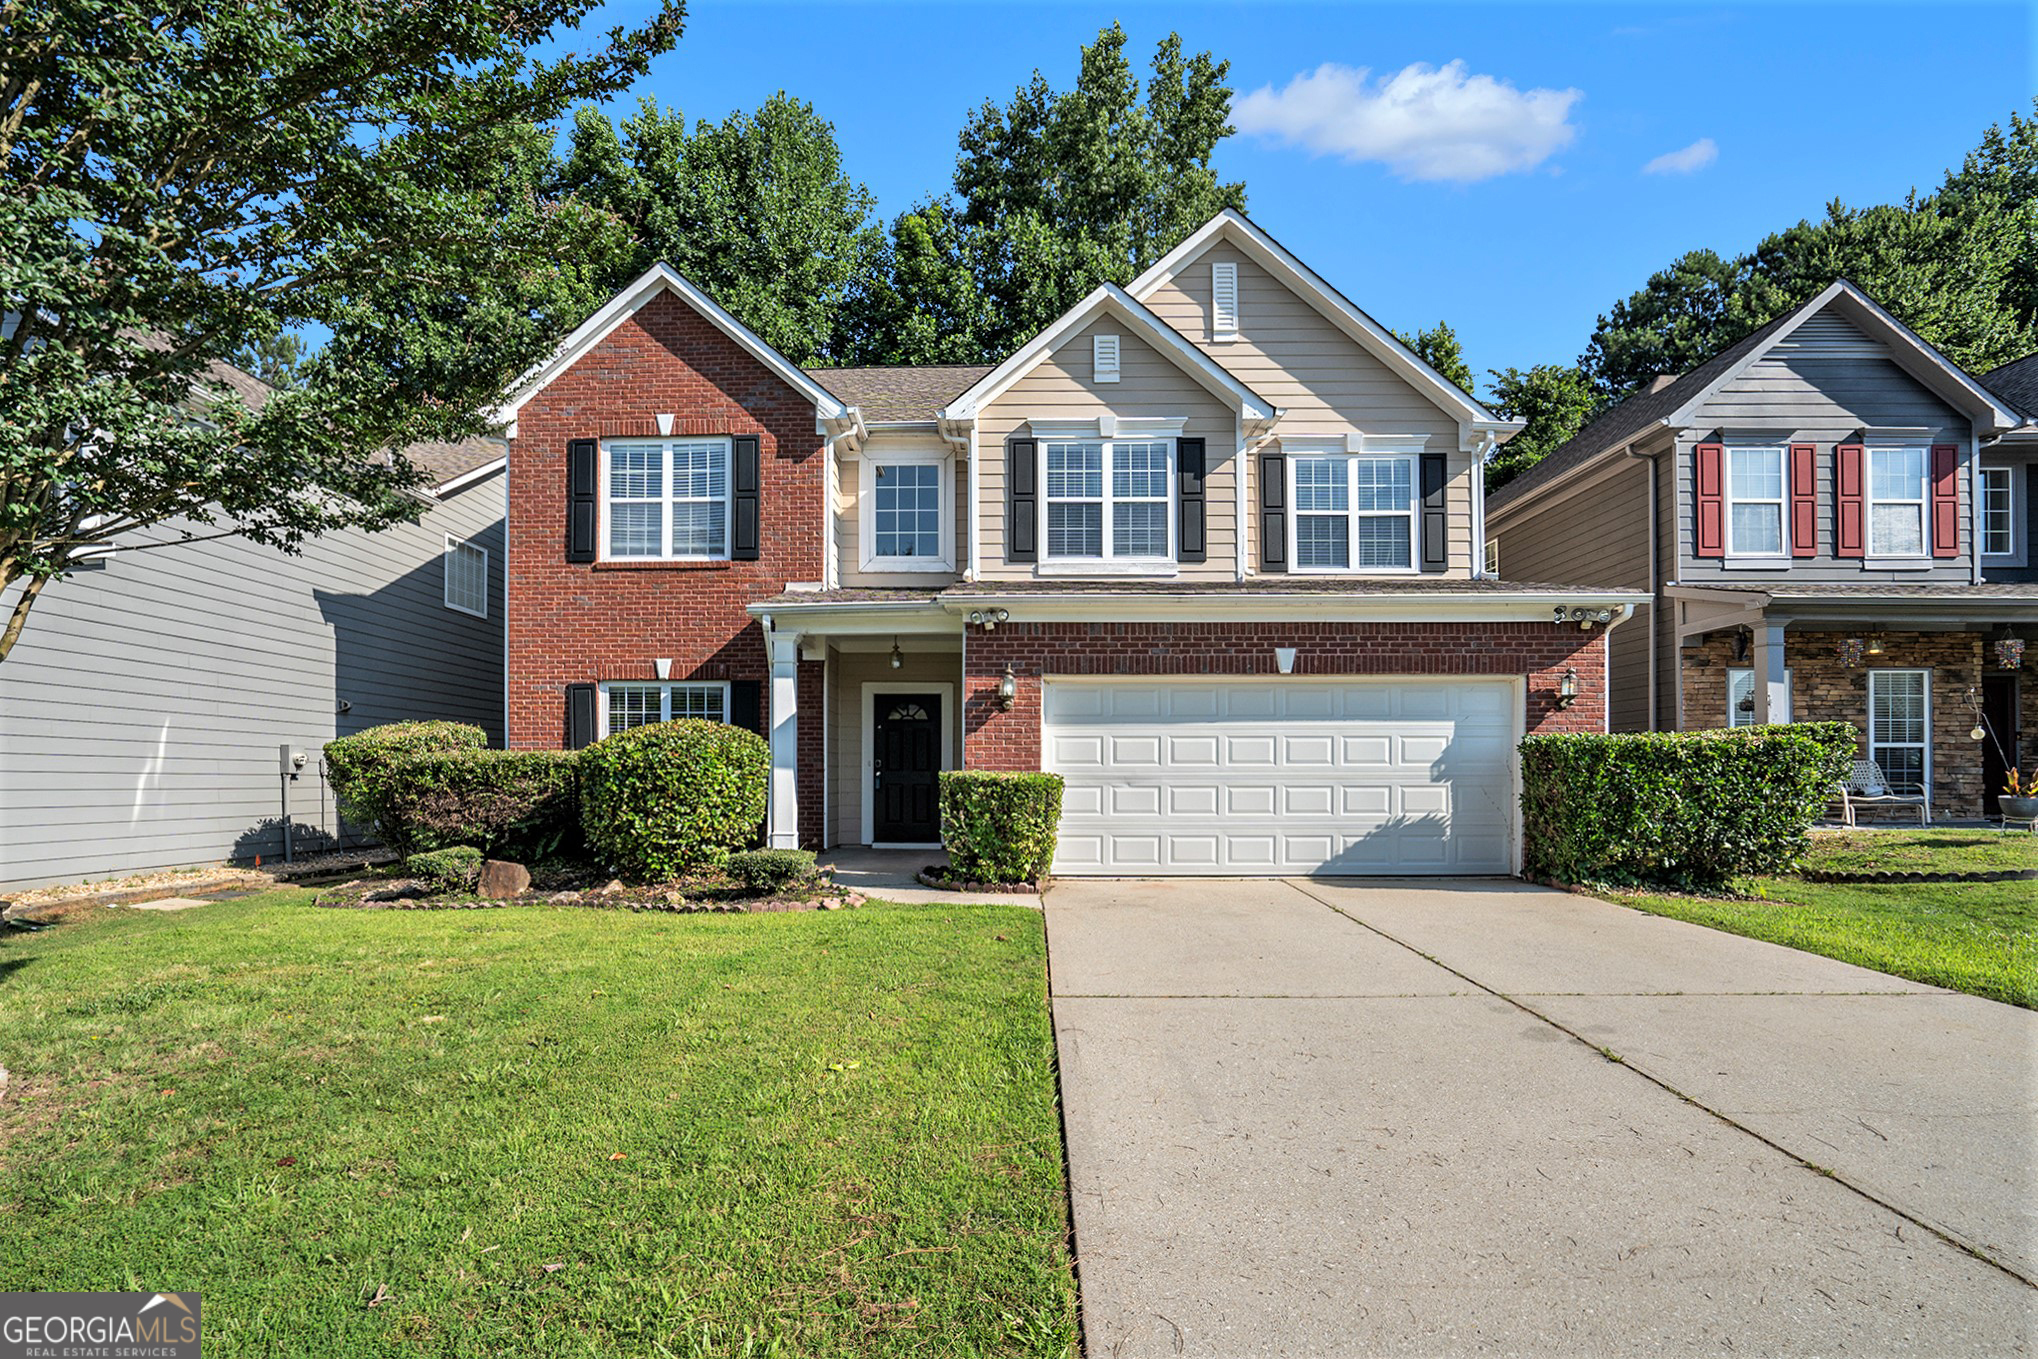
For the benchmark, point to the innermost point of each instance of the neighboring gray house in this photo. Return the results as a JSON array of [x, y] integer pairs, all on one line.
[[1806, 510], [142, 711]]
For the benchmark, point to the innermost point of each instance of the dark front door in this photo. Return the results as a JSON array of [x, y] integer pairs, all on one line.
[[1999, 752], [906, 757]]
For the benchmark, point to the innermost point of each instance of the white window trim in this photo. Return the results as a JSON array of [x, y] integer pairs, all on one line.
[[1728, 500], [2018, 509], [866, 497], [446, 566], [1493, 556], [1869, 501], [1110, 564], [872, 689], [604, 552], [1220, 333], [1733, 706], [1868, 733], [1352, 512], [667, 686]]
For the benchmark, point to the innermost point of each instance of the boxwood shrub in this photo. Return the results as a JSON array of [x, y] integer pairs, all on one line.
[[672, 797], [772, 870], [362, 767], [446, 870], [514, 804], [999, 827], [1687, 809]]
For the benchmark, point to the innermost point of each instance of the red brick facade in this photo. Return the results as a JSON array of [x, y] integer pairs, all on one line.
[[996, 739], [573, 623]]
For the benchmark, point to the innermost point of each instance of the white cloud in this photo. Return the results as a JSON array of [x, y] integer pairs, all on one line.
[[1422, 121], [1690, 160]]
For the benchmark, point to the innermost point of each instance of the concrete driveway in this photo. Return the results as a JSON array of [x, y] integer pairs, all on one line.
[[1483, 1118]]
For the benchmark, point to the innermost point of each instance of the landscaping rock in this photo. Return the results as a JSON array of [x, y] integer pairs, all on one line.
[[501, 878], [612, 888]]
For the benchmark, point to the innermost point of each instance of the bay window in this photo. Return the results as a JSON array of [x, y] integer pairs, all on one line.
[[1755, 501], [1353, 512], [1896, 502], [639, 705], [666, 499], [1109, 499]]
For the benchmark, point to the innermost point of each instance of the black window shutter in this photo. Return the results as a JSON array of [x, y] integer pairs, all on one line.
[[580, 501], [1190, 538], [1273, 512], [745, 473], [746, 704], [579, 716], [1436, 523], [1022, 500]]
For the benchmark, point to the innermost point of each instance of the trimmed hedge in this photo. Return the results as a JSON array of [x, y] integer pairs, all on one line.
[[661, 800], [362, 767], [772, 870], [514, 804], [446, 870], [999, 827], [1688, 809]]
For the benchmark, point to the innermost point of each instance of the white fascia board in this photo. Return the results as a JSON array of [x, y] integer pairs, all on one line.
[[1912, 354], [1306, 283], [850, 618], [625, 304], [465, 479], [1113, 300], [1484, 606]]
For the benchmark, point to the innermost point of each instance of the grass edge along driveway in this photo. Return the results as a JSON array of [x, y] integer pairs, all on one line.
[[543, 1131]]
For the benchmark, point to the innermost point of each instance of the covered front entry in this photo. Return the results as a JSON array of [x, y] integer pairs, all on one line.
[[1285, 775]]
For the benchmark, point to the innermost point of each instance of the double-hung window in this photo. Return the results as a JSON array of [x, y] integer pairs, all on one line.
[[1899, 724], [1741, 698], [1353, 512], [905, 514], [639, 705], [666, 499], [466, 577], [1109, 499], [1897, 502], [1998, 513], [1756, 491]]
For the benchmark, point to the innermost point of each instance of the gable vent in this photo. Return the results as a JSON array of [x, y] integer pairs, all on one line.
[[1223, 301], [1827, 336], [1104, 353]]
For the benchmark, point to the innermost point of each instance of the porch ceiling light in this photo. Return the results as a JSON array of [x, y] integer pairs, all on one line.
[[1875, 645], [898, 656], [1567, 689], [1008, 688]]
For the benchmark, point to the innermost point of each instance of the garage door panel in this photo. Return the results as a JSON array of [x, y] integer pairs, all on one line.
[[1298, 776]]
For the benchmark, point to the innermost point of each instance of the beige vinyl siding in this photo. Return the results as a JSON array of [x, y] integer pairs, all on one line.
[[849, 517], [848, 672], [1293, 356], [1151, 385], [1599, 536]]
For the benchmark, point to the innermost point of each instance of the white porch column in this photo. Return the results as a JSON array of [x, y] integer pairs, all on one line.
[[782, 817], [1771, 687]]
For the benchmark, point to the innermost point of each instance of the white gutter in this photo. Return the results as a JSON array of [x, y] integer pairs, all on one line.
[[1485, 606], [468, 478]]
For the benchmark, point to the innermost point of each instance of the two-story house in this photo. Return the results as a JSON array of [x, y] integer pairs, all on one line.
[[1208, 546], [1821, 516]]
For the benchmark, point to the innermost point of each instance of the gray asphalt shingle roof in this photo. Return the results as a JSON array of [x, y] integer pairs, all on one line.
[[899, 393], [2017, 383]]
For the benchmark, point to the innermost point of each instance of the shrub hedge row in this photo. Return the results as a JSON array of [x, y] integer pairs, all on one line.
[[514, 804], [672, 797], [1690, 809], [362, 767], [999, 827]]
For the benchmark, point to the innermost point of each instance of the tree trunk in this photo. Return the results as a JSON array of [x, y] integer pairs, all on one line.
[[19, 616]]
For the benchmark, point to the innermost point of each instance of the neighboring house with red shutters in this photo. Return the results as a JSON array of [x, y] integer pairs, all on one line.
[[1817, 516], [1209, 547]]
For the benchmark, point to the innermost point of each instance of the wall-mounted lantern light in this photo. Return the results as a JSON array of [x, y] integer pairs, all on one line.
[[1567, 689], [898, 656], [1008, 688]]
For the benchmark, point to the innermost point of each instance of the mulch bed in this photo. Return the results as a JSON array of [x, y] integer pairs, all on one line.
[[693, 897], [936, 876]]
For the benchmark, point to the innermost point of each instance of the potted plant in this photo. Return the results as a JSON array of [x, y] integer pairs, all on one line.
[[2019, 798]]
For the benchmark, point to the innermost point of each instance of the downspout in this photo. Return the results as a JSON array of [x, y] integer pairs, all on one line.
[[831, 486], [1655, 588], [1486, 446], [965, 444], [1249, 446], [1239, 523]]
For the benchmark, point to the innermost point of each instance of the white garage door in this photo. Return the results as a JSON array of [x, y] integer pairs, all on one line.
[[1282, 775]]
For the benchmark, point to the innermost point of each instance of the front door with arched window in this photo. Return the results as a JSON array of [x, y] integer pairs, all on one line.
[[905, 766]]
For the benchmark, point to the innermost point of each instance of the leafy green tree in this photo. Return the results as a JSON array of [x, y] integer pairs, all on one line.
[[1678, 319], [918, 300], [1439, 348], [183, 182], [756, 209], [1557, 400], [276, 359]]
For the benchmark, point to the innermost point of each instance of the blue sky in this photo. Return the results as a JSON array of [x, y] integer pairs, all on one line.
[[1507, 194]]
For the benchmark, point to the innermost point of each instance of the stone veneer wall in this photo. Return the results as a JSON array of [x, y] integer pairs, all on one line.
[[1824, 690]]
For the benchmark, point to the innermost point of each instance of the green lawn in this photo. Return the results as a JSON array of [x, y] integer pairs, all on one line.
[[543, 1132], [1981, 938]]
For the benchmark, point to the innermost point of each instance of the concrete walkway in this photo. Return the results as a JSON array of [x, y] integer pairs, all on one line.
[[891, 875], [1381, 1119]]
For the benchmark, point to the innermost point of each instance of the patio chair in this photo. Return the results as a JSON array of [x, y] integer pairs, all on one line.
[[1869, 787]]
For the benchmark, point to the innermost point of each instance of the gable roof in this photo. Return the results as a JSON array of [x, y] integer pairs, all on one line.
[[1110, 299], [902, 394], [2017, 383], [1368, 334], [662, 278], [1677, 404]]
